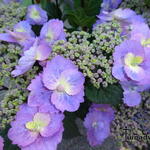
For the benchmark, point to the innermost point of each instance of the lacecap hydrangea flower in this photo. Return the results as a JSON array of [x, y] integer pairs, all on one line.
[[97, 123], [35, 48], [39, 51], [62, 77], [109, 5], [22, 34], [36, 15], [36, 128], [132, 67], [39, 96], [126, 17], [1, 143], [132, 93], [52, 31], [141, 34]]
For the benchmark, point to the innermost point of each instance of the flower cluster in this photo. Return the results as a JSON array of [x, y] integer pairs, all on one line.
[[94, 58], [126, 17], [61, 84], [36, 128], [34, 48], [97, 123], [133, 124], [131, 64], [60, 87]]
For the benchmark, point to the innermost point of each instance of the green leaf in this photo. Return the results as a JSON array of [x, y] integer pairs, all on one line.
[[44, 3], [71, 129], [26, 2], [52, 9], [2, 94], [92, 7], [111, 95], [147, 2], [79, 18], [83, 13]]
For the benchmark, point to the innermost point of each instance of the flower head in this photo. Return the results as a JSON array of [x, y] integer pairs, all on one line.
[[105, 110], [22, 34], [141, 34], [52, 31], [33, 129], [62, 77], [1, 143], [36, 15], [126, 17], [131, 63], [39, 51], [132, 68], [40, 96], [109, 5], [97, 123]]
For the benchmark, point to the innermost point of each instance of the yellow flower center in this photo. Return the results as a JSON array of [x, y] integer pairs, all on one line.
[[40, 121]]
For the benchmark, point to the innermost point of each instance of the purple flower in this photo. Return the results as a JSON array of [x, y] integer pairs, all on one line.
[[35, 129], [109, 5], [36, 15], [126, 17], [39, 94], [132, 92], [105, 110], [62, 77], [97, 123], [131, 97], [53, 31], [22, 35], [131, 63], [1, 143], [132, 68], [140, 32], [39, 51]]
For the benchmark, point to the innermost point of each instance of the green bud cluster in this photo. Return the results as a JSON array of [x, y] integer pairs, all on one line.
[[13, 91], [139, 6], [92, 53], [10, 15], [131, 125]]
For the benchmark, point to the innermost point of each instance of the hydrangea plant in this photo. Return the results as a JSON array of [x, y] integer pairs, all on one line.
[[55, 67]]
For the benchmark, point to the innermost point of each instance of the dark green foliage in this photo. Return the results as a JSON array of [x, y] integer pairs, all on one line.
[[53, 9], [71, 129], [147, 2], [82, 12], [111, 95]]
